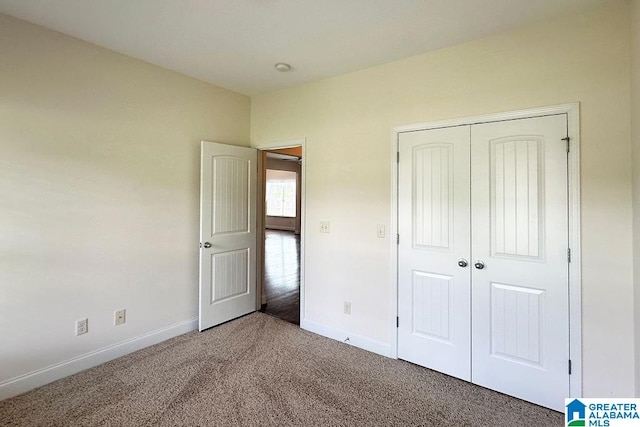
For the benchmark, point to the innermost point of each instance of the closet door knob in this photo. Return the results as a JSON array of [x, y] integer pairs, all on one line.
[[463, 262], [207, 245], [479, 265]]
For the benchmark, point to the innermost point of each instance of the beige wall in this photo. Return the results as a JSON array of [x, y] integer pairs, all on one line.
[[581, 58], [99, 193], [635, 137]]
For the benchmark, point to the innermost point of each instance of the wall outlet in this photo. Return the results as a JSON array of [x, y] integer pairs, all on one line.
[[347, 307], [120, 317], [82, 326], [380, 231], [324, 227]]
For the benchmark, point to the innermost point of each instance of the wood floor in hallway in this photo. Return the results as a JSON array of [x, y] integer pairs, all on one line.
[[282, 275]]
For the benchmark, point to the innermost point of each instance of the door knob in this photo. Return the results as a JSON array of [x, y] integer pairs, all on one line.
[[462, 262], [479, 265], [207, 245]]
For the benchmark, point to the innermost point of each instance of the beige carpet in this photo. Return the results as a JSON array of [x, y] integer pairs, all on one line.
[[259, 370]]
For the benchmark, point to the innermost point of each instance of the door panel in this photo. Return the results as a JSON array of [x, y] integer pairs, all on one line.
[[227, 233], [520, 232], [434, 306], [516, 196]]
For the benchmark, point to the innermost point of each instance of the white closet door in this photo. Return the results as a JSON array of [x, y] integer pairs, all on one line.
[[433, 290], [519, 232]]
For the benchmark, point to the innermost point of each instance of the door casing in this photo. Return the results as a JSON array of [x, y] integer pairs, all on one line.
[[575, 307]]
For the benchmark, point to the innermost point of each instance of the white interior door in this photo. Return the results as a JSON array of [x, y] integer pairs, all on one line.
[[520, 233], [228, 184], [433, 224]]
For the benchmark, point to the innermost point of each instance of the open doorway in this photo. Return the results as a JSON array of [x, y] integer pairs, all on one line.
[[282, 225]]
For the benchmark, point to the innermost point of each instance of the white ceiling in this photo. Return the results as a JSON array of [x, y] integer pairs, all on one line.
[[235, 43]]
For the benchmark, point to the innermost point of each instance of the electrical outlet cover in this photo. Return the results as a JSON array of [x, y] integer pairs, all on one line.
[[82, 326], [120, 317], [347, 307]]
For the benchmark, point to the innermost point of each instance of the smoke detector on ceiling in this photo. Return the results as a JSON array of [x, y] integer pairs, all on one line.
[[282, 67]]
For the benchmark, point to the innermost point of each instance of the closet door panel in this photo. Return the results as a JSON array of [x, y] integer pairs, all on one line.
[[519, 243], [433, 292]]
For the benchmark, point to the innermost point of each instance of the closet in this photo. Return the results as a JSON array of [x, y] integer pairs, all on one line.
[[483, 289]]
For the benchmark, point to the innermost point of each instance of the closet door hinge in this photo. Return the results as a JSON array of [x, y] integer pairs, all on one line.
[[397, 322], [397, 239], [568, 141], [569, 255], [569, 366], [397, 157]]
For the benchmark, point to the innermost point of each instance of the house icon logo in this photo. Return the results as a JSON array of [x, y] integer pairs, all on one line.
[[576, 413]]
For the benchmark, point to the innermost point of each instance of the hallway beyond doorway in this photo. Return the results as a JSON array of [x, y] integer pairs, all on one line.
[[282, 275]]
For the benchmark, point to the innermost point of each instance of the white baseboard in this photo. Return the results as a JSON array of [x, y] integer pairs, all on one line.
[[365, 343], [23, 383]]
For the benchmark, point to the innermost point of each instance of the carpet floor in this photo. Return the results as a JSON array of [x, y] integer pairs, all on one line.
[[257, 371]]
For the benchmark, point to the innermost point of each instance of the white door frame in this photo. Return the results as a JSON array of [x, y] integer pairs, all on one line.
[[575, 283], [275, 145]]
